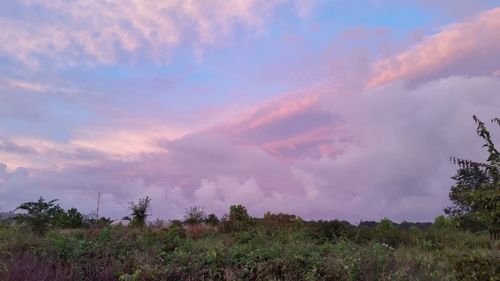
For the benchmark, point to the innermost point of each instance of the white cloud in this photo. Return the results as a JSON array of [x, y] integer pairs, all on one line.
[[89, 32]]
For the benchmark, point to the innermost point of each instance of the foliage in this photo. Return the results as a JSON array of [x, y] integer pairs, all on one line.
[[238, 213], [321, 250], [275, 247], [40, 215], [70, 219], [237, 219], [442, 222], [140, 212], [385, 224], [476, 194], [212, 219], [330, 231], [478, 266], [195, 215]]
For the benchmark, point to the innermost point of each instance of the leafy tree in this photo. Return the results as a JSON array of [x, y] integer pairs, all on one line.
[[385, 224], [476, 193], [212, 219], [238, 217], [140, 212], [195, 215], [238, 213], [40, 214], [70, 219]]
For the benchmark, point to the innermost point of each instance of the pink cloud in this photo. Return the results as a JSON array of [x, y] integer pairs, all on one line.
[[277, 110], [289, 128], [315, 143], [469, 48], [98, 31]]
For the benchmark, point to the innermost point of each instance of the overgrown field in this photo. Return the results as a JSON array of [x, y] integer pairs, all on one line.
[[262, 249]]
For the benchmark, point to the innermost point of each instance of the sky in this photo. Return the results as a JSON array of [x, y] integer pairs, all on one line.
[[327, 109]]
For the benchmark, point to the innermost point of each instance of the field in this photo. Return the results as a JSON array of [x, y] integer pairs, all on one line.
[[277, 247]]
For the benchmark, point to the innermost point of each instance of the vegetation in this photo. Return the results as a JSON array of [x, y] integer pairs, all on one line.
[[267, 249], [49, 243], [40, 215], [140, 212], [212, 219], [195, 215], [476, 195]]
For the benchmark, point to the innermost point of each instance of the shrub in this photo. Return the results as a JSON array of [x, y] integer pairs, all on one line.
[[140, 212], [478, 267], [212, 219], [195, 215], [443, 223], [70, 219], [329, 230]]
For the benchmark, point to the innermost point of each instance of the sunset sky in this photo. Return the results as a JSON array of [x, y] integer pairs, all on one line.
[[325, 109]]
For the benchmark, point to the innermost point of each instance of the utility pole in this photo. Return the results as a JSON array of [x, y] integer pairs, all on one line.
[[98, 202]]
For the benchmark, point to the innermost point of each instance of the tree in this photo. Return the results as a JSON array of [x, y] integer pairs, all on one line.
[[70, 219], [195, 215], [40, 214], [476, 193], [385, 224], [212, 219], [238, 213], [140, 212], [238, 217]]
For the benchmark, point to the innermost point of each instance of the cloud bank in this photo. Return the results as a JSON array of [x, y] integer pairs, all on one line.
[[395, 162], [354, 148]]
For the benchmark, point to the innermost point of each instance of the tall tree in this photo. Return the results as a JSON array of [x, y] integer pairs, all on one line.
[[476, 193]]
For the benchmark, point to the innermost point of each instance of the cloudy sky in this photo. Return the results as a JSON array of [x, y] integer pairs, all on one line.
[[325, 109]]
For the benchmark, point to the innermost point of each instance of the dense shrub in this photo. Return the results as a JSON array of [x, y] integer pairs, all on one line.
[[478, 267]]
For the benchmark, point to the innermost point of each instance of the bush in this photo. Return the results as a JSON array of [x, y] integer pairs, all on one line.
[[329, 230], [70, 219], [140, 212], [212, 219], [237, 220], [478, 267], [195, 215]]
